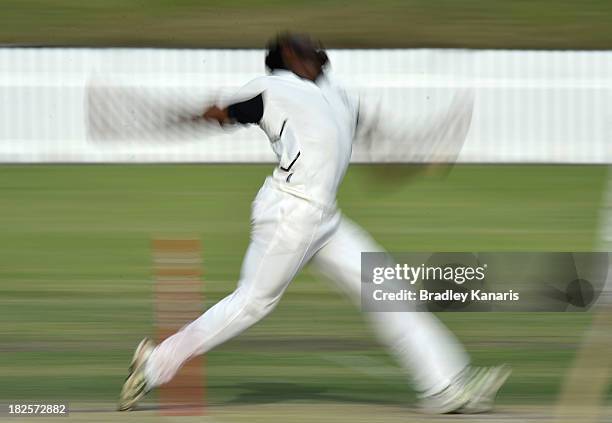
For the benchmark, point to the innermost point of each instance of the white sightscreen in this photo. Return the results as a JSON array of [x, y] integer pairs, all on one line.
[[529, 106]]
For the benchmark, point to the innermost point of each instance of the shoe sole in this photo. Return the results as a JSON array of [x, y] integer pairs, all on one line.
[[138, 360], [457, 401], [483, 402]]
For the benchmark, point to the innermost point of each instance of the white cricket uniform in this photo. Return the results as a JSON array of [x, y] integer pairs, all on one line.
[[311, 127]]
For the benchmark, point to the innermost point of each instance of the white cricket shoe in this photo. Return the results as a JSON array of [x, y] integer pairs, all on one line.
[[473, 391], [483, 385], [135, 386]]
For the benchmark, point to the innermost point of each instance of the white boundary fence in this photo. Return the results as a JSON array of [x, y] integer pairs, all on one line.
[[553, 107]]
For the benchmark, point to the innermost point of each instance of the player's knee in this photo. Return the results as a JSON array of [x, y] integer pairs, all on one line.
[[258, 307]]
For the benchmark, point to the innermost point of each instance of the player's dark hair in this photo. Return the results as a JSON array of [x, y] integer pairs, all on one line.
[[302, 44], [274, 58]]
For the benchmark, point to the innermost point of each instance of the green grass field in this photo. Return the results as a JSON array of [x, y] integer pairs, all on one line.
[[76, 277], [562, 24]]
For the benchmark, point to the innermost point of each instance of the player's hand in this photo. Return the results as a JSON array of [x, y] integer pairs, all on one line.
[[217, 114]]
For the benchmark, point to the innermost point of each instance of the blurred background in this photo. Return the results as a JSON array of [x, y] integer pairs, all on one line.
[[76, 269], [537, 24]]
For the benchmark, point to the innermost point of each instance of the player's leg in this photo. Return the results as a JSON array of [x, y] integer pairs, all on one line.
[[429, 353], [286, 231], [264, 279], [279, 247]]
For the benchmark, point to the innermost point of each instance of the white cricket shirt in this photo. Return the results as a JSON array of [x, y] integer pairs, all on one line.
[[311, 127]]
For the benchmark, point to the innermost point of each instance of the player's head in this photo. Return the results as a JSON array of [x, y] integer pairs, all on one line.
[[297, 53]]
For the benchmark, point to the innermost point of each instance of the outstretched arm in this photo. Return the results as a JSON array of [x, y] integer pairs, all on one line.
[[216, 113], [388, 137], [247, 111]]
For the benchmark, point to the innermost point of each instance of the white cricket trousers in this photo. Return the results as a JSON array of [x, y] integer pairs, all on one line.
[[287, 233]]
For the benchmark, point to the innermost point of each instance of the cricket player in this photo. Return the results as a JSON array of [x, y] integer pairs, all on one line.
[[311, 123]]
